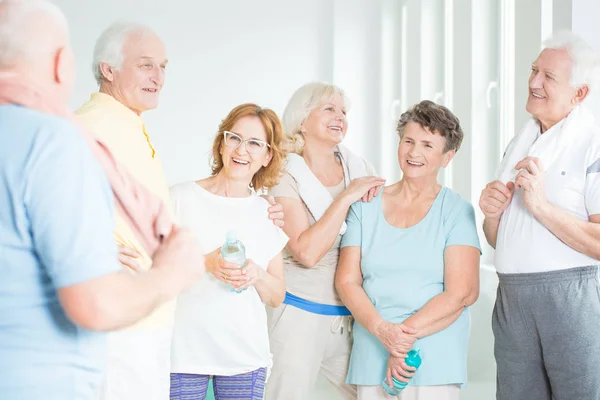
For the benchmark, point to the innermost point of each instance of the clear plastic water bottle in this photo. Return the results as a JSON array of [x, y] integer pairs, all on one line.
[[412, 360], [233, 251]]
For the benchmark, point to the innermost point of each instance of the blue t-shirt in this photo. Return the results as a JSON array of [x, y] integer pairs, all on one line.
[[402, 270], [56, 230]]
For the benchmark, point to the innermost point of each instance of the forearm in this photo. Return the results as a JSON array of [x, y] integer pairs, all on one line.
[[363, 311], [118, 300], [438, 314], [490, 229], [270, 289], [317, 240], [583, 236]]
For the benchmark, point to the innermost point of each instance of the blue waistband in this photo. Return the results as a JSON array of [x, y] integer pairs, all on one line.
[[315, 308]]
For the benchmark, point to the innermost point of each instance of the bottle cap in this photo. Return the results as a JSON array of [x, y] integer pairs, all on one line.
[[231, 236]]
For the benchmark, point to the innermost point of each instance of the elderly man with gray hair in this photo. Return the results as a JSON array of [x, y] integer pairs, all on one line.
[[542, 216], [61, 283], [129, 66]]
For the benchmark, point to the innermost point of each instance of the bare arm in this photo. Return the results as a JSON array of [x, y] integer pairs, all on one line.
[[308, 244], [461, 289], [348, 282], [270, 284], [490, 230], [397, 338], [495, 198], [120, 299], [117, 300], [583, 236]]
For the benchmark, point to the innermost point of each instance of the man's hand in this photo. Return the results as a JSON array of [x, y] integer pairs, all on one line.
[[181, 258], [495, 198], [531, 179]]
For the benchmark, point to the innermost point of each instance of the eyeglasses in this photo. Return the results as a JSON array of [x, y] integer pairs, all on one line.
[[253, 146]]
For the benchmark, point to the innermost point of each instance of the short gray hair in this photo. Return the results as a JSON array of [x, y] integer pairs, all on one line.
[[436, 119], [585, 59], [109, 46], [303, 101], [19, 37]]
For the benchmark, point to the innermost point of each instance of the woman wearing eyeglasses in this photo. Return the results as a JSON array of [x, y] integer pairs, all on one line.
[[220, 330]]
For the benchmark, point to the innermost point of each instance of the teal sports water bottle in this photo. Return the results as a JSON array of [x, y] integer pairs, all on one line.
[[413, 359], [233, 251]]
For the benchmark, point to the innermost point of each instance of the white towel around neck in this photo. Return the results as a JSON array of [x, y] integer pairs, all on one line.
[[313, 193], [547, 146]]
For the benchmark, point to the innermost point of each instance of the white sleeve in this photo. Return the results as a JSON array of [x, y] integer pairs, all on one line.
[[277, 240], [592, 188]]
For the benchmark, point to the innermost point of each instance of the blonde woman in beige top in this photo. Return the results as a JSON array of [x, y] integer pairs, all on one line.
[[309, 333]]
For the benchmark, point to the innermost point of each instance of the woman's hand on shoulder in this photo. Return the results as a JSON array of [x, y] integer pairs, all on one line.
[[364, 188]]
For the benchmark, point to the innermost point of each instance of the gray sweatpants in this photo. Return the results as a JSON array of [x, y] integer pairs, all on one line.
[[547, 335]]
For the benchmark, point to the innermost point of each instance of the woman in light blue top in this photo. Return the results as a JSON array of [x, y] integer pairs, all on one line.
[[409, 268]]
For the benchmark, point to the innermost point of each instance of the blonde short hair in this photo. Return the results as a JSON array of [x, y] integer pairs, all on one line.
[[301, 104]]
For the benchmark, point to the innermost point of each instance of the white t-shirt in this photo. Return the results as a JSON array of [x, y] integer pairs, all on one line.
[[218, 331], [572, 183]]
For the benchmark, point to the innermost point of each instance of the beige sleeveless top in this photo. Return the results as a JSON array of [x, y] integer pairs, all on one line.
[[315, 284]]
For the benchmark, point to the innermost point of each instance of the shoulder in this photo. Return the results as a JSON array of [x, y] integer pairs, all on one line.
[[287, 186], [54, 134], [97, 119], [90, 111], [368, 208], [454, 205], [259, 204], [180, 190], [287, 179], [38, 124]]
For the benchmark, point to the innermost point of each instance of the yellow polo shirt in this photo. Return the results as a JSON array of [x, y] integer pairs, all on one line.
[[124, 132]]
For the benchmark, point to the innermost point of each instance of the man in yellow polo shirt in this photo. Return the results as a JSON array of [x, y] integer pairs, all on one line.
[[129, 66]]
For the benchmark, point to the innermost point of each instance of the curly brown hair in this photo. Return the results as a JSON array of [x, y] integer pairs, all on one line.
[[266, 177], [435, 118]]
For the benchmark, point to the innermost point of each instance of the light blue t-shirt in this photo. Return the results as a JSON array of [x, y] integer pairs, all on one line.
[[402, 270], [56, 230]]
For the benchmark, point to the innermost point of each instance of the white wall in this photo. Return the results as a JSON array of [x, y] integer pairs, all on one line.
[[585, 15], [221, 54]]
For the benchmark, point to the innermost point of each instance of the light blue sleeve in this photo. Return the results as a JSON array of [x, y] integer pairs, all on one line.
[[69, 205], [353, 235], [462, 226]]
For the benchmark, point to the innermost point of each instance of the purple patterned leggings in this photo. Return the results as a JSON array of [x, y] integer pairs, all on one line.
[[248, 386]]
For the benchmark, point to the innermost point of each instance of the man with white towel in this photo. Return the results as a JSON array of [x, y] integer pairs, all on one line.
[[542, 216]]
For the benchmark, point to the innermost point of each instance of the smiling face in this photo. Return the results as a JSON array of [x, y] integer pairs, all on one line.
[[238, 163], [551, 97], [421, 152], [139, 80], [326, 123]]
